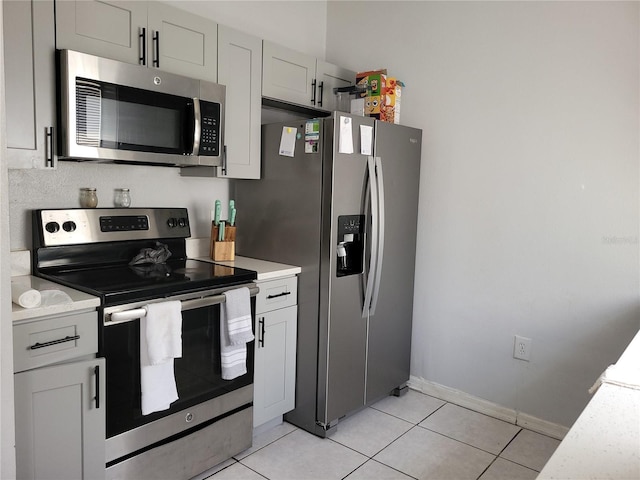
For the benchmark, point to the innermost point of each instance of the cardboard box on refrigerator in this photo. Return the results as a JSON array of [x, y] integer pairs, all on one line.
[[390, 108], [382, 96], [373, 81]]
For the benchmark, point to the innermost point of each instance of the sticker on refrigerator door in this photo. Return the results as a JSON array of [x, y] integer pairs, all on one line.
[[288, 141], [346, 136], [312, 129], [366, 139], [311, 136]]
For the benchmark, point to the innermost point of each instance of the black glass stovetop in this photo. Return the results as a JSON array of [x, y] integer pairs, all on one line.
[[126, 283]]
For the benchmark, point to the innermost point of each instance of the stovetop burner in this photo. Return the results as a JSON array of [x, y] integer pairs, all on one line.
[[90, 250], [124, 283]]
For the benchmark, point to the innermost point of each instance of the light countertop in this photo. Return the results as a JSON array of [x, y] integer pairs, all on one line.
[[80, 300], [265, 270], [604, 442]]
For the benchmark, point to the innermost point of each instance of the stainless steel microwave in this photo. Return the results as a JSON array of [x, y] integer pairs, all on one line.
[[118, 112]]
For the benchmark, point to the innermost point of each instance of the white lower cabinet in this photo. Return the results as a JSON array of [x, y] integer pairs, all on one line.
[[59, 398], [275, 359], [60, 421]]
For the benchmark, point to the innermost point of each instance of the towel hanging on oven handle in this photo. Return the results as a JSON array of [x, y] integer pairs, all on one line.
[[114, 318]]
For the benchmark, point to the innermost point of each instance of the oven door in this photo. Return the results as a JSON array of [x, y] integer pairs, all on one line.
[[203, 395]]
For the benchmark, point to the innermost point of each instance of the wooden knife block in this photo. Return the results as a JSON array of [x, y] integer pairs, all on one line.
[[226, 249]]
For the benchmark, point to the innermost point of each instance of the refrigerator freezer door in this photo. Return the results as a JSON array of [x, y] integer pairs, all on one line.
[[389, 347], [343, 331]]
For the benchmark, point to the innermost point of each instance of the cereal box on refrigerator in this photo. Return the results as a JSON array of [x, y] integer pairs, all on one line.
[[382, 96]]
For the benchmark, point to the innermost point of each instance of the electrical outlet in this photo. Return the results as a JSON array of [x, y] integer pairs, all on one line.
[[522, 348]]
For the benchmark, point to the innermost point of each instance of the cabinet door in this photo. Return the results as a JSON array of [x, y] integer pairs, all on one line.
[[329, 77], [29, 47], [109, 29], [180, 42], [275, 364], [240, 69], [288, 75], [60, 426]]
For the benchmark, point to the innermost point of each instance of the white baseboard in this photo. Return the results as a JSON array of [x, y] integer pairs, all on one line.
[[480, 405]]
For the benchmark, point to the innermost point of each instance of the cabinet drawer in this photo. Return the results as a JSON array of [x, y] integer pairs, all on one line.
[[278, 293], [54, 339]]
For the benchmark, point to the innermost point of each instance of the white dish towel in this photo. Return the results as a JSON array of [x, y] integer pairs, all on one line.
[[25, 296], [160, 343], [235, 332]]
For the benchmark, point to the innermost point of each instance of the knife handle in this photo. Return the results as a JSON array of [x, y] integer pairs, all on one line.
[[218, 211]]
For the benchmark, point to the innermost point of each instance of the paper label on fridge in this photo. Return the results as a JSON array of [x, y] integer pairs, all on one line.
[[288, 141], [311, 136], [346, 136], [366, 140]]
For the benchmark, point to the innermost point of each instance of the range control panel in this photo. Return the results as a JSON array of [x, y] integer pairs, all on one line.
[[79, 226]]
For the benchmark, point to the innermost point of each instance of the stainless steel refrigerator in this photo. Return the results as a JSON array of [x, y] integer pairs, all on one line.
[[338, 196]]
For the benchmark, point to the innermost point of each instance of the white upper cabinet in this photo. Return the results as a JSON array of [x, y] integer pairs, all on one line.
[[181, 42], [108, 29], [293, 77], [239, 68], [139, 32], [30, 97], [288, 75], [331, 76]]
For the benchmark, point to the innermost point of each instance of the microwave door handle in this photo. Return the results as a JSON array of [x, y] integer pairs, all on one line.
[[197, 127]]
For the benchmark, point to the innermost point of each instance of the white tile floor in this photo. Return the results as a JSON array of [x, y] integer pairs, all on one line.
[[413, 436]]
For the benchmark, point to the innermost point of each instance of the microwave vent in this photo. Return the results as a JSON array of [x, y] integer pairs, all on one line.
[[88, 113]]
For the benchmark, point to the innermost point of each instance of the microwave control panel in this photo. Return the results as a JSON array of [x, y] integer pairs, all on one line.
[[210, 121]]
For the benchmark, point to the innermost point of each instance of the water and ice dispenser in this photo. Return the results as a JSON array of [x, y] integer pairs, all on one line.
[[350, 248]]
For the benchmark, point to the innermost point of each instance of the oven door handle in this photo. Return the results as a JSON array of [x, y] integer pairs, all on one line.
[[133, 314]]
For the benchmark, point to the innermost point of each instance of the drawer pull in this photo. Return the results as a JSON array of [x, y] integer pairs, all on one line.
[[54, 342], [269, 297]]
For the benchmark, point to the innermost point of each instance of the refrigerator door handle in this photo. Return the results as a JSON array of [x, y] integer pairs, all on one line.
[[380, 251], [370, 273]]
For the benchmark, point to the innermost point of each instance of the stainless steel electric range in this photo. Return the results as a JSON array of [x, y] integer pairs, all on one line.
[[91, 250]]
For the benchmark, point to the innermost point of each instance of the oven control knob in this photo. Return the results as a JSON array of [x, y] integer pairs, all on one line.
[[182, 222], [188, 417], [52, 227], [69, 226], [172, 222]]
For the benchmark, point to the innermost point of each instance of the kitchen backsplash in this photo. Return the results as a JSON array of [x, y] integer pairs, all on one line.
[[149, 187]]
